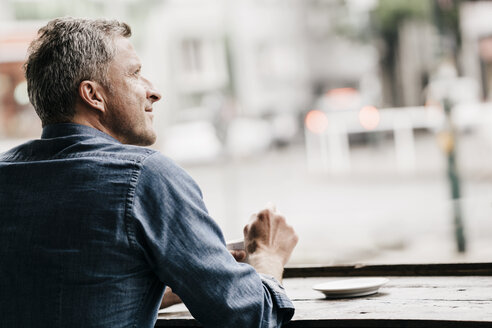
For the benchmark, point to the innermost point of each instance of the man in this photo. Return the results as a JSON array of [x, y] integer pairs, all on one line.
[[93, 226]]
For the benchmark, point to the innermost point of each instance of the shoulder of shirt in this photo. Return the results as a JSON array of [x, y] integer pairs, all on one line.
[[156, 168], [156, 162], [117, 150], [153, 157], [149, 158]]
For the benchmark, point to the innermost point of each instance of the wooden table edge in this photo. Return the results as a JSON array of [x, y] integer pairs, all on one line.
[[352, 323], [403, 270]]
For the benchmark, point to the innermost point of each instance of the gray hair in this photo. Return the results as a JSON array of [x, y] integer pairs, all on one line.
[[66, 52]]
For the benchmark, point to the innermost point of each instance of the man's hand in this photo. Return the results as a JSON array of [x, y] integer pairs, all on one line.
[[269, 242], [169, 298]]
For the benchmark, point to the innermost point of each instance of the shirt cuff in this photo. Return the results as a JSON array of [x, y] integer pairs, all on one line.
[[279, 297]]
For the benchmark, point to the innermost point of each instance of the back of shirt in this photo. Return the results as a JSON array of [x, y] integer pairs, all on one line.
[[65, 258], [91, 230]]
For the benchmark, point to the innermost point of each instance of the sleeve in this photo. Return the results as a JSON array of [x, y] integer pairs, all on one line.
[[186, 249]]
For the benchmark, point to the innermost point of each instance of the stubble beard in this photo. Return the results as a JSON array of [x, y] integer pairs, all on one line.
[[126, 130]]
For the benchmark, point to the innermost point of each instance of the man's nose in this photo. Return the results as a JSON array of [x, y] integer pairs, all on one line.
[[152, 92]]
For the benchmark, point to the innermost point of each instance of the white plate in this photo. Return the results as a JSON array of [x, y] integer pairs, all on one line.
[[351, 287]]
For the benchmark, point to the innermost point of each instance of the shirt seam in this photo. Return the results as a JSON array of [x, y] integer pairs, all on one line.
[[17, 158], [132, 240], [130, 200]]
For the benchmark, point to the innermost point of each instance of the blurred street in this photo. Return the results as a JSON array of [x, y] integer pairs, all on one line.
[[373, 214]]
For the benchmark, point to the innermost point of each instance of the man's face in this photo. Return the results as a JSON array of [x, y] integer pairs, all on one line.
[[129, 98]]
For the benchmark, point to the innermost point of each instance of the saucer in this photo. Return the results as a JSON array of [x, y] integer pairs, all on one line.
[[351, 287]]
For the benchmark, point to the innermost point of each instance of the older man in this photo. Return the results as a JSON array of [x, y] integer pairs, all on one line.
[[93, 226]]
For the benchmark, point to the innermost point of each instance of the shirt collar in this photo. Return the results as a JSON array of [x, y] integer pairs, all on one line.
[[67, 129]]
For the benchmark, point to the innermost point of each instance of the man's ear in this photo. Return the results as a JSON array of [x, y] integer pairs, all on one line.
[[91, 94]]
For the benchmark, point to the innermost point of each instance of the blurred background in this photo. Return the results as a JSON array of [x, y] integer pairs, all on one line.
[[367, 122]]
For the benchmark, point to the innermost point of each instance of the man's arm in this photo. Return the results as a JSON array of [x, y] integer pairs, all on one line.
[[186, 249], [170, 298]]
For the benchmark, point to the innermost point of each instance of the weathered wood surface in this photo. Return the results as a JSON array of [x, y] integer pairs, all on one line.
[[461, 301]]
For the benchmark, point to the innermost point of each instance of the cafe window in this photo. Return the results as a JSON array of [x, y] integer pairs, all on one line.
[[333, 110]]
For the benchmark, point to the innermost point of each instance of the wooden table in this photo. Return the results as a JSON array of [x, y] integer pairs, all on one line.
[[442, 295]]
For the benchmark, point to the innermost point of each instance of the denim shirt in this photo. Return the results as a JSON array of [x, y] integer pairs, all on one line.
[[91, 232]]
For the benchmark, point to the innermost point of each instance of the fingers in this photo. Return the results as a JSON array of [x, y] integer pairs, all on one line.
[[268, 218], [269, 206], [239, 255]]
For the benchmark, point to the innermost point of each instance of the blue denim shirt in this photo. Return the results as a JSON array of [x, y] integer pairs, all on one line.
[[91, 232]]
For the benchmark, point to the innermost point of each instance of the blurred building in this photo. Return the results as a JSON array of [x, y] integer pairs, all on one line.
[[221, 60], [273, 56], [476, 52], [17, 119], [253, 51]]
